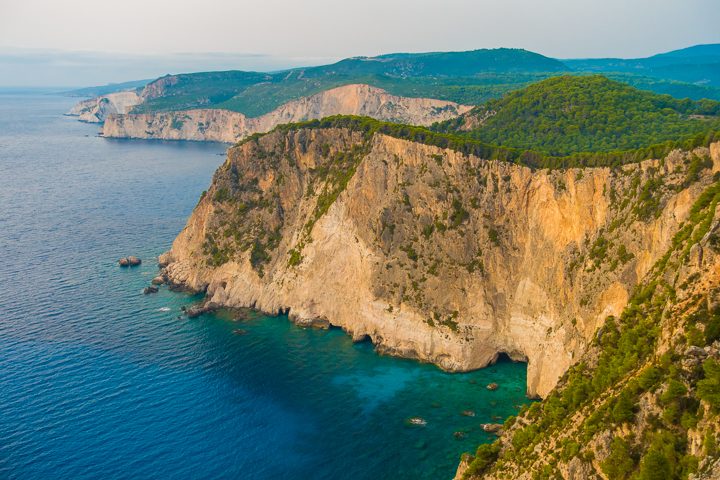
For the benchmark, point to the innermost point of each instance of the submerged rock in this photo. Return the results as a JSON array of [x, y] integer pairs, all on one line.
[[492, 386], [418, 421], [151, 289], [468, 413], [459, 435], [197, 310], [240, 331]]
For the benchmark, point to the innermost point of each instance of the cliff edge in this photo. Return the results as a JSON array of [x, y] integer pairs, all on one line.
[[227, 126], [431, 253]]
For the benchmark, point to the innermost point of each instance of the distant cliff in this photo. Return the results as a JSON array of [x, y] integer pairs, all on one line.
[[431, 253], [226, 126], [97, 110]]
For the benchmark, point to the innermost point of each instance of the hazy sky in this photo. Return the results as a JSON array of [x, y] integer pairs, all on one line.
[[272, 34]]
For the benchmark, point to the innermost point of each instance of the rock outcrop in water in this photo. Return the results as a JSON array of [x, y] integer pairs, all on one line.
[[227, 126], [96, 110], [433, 254], [131, 261]]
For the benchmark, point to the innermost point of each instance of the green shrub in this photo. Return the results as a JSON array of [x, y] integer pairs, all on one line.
[[458, 214], [620, 463], [708, 389], [624, 408], [484, 457], [660, 461]]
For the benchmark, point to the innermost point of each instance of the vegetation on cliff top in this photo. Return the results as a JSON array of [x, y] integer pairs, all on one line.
[[471, 146], [571, 114]]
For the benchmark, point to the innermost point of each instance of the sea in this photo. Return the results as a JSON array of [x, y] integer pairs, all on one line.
[[98, 381]]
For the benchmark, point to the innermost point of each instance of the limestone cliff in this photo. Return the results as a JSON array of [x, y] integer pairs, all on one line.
[[643, 400], [96, 110], [227, 126], [433, 254]]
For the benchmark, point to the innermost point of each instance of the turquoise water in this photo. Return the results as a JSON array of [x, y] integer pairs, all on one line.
[[100, 381]]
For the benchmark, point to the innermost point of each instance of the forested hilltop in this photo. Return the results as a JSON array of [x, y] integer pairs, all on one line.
[[469, 78], [561, 122], [463, 77], [571, 114]]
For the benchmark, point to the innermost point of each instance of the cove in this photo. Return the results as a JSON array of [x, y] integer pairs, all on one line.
[[100, 381]]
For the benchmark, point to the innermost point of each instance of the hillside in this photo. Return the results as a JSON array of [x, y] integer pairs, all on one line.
[[442, 75], [699, 64], [106, 89], [571, 114], [443, 64]]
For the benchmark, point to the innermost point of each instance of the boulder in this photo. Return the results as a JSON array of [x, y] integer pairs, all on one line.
[[159, 280], [130, 261], [150, 289], [492, 427], [492, 386]]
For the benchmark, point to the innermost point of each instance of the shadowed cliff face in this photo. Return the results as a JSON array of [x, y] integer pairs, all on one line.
[[433, 254], [227, 126]]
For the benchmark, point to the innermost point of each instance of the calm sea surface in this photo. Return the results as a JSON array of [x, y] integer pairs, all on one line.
[[100, 381]]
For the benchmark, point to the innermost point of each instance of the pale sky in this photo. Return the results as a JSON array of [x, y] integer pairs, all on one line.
[[150, 37]]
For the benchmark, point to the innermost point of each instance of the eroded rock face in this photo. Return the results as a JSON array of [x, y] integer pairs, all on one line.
[[433, 254], [226, 126], [96, 110]]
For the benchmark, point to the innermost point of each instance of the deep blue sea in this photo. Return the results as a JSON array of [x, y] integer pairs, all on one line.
[[98, 381]]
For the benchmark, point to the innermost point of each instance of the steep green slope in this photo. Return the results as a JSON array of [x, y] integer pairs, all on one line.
[[197, 90], [644, 401], [571, 114]]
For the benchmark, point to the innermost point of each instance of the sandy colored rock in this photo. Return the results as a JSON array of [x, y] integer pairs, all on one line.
[[227, 126]]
